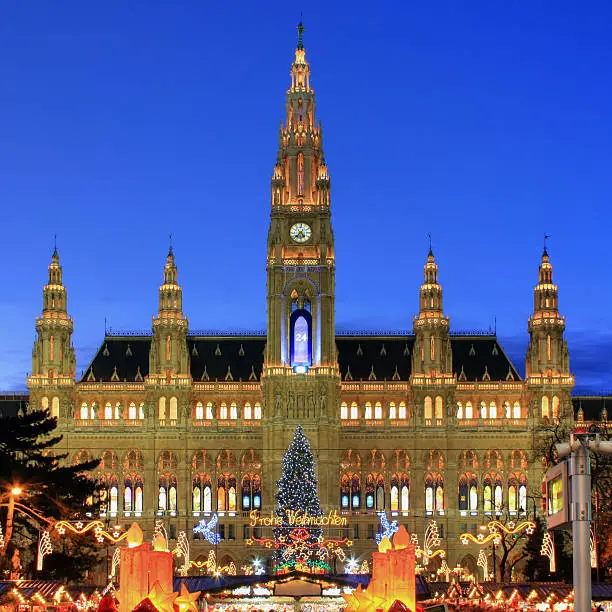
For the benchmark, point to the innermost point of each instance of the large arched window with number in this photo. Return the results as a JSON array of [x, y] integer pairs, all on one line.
[[300, 326]]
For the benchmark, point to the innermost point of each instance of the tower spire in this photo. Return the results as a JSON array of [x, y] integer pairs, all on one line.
[[300, 29]]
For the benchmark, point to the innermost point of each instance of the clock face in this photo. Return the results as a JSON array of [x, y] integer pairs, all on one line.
[[300, 232]]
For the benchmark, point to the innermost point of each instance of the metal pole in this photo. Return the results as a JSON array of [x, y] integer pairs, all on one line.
[[581, 517]]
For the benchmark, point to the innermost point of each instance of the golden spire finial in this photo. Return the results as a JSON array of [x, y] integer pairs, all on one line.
[[300, 29]]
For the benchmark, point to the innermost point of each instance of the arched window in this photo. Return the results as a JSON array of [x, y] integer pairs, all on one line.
[[545, 407], [439, 408], [392, 410], [226, 493], [251, 492], [354, 411], [128, 495], [378, 411], [94, 410], [492, 410], [343, 411], [402, 411], [432, 343], [161, 414], [555, 407], [233, 411], [247, 411], [132, 415], [463, 494], [202, 494], [141, 414], [133, 460], [523, 498], [167, 496], [138, 496], [84, 411], [113, 495], [55, 407], [375, 492], [507, 410], [257, 411], [118, 411], [459, 410], [300, 325], [44, 402], [483, 410], [223, 411], [434, 494], [368, 411], [473, 493], [492, 493], [199, 411], [209, 411], [300, 174], [400, 493], [173, 409], [469, 413], [428, 410], [516, 410]]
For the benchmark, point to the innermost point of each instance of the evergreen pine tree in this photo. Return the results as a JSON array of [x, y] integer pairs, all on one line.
[[51, 486], [297, 491], [536, 565]]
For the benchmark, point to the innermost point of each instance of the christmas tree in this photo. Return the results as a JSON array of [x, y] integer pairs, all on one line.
[[297, 493]]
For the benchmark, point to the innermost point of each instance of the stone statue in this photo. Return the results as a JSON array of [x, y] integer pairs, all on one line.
[[278, 402]]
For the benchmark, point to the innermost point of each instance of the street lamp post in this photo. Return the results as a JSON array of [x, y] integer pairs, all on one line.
[[14, 492]]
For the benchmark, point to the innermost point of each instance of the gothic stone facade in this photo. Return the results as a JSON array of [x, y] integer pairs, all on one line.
[[423, 425]]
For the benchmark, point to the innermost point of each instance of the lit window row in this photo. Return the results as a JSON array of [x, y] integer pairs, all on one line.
[[116, 411], [55, 405], [483, 410], [225, 411], [547, 403], [374, 411]]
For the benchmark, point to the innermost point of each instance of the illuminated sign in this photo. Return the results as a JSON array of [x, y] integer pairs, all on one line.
[[300, 341], [557, 496], [297, 518]]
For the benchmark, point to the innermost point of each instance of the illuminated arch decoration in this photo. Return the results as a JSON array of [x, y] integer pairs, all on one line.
[[548, 550], [300, 345], [495, 532]]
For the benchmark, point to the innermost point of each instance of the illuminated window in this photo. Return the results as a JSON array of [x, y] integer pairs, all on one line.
[[507, 410], [402, 411], [223, 411], [492, 410], [172, 495], [545, 407], [108, 411], [199, 411], [469, 414], [55, 407], [428, 410], [378, 411], [432, 346], [394, 498], [459, 410], [439, 408], [114, 496], [84, 411], [300, 174], [473, 494], [516, 413], [354, 411], [44, 402], [434, 494], [549, 348], [201, 493], [209, 411], [132, 411], [257, 413], [301, 338], [368, 410], [343, 411], [463, 493], [226, 493], [251, 492], [127, 495], [168, 348], [173, 409], [392, 410], [233, 411], [161, 413], [51, 348], [94, 408], [487, 495], [483, 410], [138, 496], [555, 407], [400, 493], [498, 496], [523, 498], [247, 411]]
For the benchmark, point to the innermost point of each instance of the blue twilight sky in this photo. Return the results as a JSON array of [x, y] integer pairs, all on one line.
[[485, 123]]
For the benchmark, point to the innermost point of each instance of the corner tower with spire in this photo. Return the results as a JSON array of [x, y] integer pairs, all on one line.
[[169, 357], [53, 358], [547, 362], [301, 380]]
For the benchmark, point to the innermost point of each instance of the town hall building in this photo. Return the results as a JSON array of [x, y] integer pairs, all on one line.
[[425, 425]]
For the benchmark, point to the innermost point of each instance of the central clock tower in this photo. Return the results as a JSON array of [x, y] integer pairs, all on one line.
[[300, 379]]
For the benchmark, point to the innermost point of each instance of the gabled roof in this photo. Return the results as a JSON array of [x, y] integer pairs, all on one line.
[[240, 357]]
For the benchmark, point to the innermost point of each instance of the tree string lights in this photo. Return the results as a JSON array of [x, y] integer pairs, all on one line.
[[388, 529], [496, 531], [548, 550], [209, 529]]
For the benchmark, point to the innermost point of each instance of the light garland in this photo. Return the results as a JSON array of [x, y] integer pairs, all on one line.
[[81, 528], [548, 550], [495, 532], [208, 529], [44, 549]]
